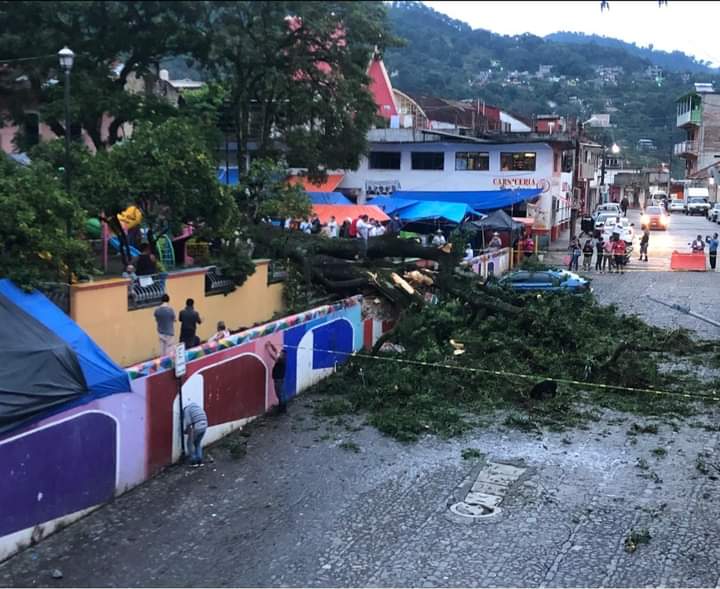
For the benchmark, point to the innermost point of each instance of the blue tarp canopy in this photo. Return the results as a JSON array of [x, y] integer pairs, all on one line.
[[480, 200], [329, 198], [229, 176], [102, 376], [410, 210]]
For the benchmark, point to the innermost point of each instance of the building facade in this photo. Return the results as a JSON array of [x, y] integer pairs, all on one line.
[[434, 161], [698, 114]]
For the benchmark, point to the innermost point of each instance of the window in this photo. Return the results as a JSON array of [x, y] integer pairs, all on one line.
[[472, 160], [384, 160], [518, 162], [428, 160], [568, 157]]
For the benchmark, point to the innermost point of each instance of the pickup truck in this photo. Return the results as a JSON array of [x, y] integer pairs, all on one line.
[[697, 206]]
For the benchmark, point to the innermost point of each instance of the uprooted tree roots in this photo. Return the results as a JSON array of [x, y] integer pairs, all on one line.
[[484, 349]]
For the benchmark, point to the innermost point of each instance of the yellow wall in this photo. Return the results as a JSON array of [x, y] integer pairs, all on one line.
[[101, 309]]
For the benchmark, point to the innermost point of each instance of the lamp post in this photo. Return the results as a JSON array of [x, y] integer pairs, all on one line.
[[615, 149], [66, 58]]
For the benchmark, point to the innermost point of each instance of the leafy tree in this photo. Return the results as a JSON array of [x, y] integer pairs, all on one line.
[[40, 227], [265, 192], [114, 42], [295, 72]]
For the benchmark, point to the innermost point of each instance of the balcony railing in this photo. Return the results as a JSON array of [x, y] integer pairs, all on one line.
[[146, 291], [216, 283], [690, 117], [685, 148]]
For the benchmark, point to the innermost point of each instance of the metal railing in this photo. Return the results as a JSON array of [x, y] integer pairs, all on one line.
[[146, 291], [685, 147], [216, 283]]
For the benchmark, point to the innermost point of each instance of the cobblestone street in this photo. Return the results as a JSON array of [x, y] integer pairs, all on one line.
[[319, 503]]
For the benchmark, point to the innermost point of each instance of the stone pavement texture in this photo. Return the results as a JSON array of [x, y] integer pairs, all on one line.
[[302, 508]]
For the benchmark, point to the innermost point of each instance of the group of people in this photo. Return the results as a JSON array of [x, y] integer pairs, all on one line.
[[610, 254], [698, 246], [362, 227]]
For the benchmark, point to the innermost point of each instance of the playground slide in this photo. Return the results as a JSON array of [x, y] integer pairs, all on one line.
[[114, 241]]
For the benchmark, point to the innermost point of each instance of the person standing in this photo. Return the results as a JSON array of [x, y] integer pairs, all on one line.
[[278, 374], [619, 254], [575, 252], [332, 228], [599, 250], [196, 423], [363, 232], [439, 239], [644, 241], [607, 256], [189, 319], [146, 263], [712, 249], [528, 246], [165, 319], [495, 242], [624, 206], [587, 254], [698, 245]]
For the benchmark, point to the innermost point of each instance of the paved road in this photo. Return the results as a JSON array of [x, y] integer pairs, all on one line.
[[303, 509]]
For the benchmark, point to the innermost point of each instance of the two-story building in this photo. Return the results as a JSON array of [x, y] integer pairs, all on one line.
[[698, 113], [425, 160]]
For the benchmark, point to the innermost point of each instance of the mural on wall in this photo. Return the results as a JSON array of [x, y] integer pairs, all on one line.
[[59, 468]]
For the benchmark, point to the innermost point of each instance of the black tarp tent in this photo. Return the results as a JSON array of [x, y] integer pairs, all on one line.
[[498, 221], [48, 362]]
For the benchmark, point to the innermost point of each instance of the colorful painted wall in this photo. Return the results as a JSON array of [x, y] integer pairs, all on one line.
[[101, 309], [59, 469]]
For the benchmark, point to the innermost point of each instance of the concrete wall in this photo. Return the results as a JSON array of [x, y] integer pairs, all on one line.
[[101, 309], [58, 469]]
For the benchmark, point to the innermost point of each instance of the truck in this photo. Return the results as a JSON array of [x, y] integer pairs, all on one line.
[[697, 200]]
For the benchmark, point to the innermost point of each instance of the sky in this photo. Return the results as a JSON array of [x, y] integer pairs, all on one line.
[[681, 25]]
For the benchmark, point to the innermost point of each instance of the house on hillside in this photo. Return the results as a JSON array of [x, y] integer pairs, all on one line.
[[698, 114]]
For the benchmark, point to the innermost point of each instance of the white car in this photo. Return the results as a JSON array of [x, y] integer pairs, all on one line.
[[608, 207], [676, 206], [626, 229], [714, 213], [602, 219]]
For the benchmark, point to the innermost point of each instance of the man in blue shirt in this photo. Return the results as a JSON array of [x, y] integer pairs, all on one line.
[[712, 248], [165, 319]]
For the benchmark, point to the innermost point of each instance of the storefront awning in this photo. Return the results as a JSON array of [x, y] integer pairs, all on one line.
[[329, 198], [480, 200], [417, 210], [342, 212], [330, 184]]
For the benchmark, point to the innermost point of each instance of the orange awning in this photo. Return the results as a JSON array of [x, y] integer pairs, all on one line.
[[342, 212], [332, 182]]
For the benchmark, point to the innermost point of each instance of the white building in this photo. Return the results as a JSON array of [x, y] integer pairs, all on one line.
[[434, 161]]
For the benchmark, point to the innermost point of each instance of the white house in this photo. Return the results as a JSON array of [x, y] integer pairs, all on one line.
[[434, 161]]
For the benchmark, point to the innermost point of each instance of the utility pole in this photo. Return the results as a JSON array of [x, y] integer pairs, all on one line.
[[576, 182]]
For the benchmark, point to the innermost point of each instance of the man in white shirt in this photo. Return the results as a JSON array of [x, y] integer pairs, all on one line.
[[363, 232], [332, 227], [439, 239]]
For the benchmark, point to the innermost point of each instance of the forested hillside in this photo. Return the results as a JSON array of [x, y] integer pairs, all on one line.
[[446, 57]]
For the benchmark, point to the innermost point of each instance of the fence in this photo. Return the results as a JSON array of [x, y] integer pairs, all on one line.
[[146, 291]]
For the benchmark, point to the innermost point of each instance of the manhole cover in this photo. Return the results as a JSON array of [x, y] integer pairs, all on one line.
[[472, 510]]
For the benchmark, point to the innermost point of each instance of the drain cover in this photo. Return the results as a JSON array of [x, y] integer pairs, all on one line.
[[487, 492]]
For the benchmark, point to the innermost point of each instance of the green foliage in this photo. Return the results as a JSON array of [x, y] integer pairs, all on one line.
[[40, 227], [265, 192]]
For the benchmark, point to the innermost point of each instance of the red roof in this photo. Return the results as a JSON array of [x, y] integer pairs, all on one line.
[[381, 88], [342, 212], [328, 186]]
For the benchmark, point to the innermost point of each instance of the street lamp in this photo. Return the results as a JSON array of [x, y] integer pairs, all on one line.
[[66, 58], [615, 149]]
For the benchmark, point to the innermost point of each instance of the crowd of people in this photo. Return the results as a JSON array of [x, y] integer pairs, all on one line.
[[362, 227], [609, 255]]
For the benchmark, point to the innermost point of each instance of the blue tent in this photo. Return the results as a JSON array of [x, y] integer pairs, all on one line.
[[410, 210], [329, 198], [102, 376], [480, 200]]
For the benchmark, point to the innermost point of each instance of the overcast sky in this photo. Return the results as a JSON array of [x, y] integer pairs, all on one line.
[[691, 27]]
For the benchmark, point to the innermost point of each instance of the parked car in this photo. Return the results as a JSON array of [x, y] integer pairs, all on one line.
[[545, 280], [697, 206], [714, 213], [602, 219], [676, 206], [607, 208], [655, 218]]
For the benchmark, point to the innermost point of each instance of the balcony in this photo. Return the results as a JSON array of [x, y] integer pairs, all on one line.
[[686, 149], [690, 117]]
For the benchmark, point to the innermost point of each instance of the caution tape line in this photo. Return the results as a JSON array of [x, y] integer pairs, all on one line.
[[507, 374]]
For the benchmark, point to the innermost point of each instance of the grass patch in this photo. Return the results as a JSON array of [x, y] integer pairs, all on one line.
[[334, 407], [471, 454], [236, 445], [350, 447], [635, 538]]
